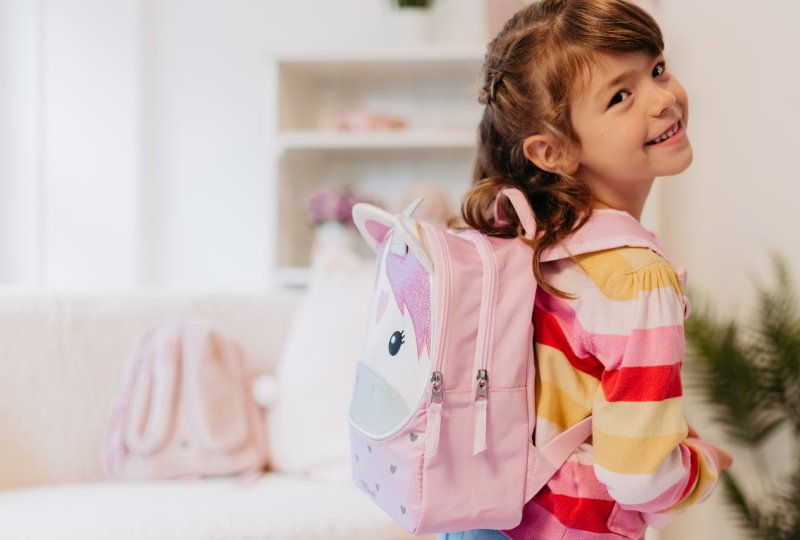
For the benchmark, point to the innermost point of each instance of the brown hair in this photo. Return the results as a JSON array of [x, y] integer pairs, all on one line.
[[532, 68]]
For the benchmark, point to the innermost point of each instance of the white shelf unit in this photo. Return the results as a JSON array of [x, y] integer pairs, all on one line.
[[434, 89], [328, 139]]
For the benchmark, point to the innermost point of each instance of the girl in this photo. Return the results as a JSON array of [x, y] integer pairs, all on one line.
[[581, 114]]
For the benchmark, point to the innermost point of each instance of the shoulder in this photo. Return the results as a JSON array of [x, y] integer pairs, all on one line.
[[625, 272]]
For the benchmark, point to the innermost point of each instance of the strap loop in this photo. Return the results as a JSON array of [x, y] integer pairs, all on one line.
[[521, 207]]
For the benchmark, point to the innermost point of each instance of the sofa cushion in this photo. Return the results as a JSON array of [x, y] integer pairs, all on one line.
[[274, 507], [308, 423]]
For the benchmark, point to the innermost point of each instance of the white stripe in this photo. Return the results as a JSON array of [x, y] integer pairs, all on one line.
[[598, 314], [643, 488]]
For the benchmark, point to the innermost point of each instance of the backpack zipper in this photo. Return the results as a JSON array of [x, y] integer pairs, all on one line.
[[442, 299], [485, 337]]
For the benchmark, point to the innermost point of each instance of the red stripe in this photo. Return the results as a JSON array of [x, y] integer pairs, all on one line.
[[653, 383], [548, 332], [694, 471], [576, 513]]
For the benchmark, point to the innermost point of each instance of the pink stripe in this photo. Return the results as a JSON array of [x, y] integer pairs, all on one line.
[[659, 346], [578, 480]]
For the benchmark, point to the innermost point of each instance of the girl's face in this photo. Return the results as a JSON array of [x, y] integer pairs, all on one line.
[[617, 120]]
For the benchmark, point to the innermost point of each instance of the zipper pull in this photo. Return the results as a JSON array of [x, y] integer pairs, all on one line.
[[481, 404], [436, 386], [483, 385], [434, 421]]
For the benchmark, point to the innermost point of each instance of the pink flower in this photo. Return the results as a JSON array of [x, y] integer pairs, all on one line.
[[325, 204]]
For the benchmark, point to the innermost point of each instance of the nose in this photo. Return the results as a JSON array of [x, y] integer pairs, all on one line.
[[663, 100]]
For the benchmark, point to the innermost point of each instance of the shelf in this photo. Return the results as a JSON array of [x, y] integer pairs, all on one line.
[[321, 59], [434, 88], [375, 140]]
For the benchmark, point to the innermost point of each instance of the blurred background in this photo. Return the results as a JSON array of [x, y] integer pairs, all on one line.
[[199, 145]]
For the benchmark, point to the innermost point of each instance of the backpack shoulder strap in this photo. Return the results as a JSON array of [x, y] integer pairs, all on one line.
[[544, 462], [605, 229]]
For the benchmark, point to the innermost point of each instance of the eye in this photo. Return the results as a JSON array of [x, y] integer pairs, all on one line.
[[658, 70], [397, 339], [614, 100]]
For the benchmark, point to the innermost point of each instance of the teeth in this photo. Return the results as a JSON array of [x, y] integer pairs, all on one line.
[[666, 135]]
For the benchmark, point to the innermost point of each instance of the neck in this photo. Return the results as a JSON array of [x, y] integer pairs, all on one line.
[[629, 198]]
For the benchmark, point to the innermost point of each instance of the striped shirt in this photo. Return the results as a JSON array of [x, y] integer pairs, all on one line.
[[614, 352]]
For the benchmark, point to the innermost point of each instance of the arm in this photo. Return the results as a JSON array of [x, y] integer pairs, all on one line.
[[643, 452]]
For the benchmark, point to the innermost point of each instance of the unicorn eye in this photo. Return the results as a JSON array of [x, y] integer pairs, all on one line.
[[397, 339]]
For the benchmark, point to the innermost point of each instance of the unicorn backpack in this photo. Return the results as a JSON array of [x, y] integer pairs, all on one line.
[[442, 412]]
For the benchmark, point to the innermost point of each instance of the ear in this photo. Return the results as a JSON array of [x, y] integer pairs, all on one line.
[[547, 153], [413, 236], [373, 223]]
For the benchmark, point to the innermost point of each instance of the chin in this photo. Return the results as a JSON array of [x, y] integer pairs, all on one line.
[[688, 160], [680, 165]]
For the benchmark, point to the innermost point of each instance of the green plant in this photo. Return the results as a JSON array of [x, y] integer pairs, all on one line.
[[750, 376], [412, 3]]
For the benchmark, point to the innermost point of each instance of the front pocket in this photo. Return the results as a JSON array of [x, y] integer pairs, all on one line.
[[462, 490], [376, 407]]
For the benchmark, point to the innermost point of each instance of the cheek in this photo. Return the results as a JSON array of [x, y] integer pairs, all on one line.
[[683, 101], [686, 113]]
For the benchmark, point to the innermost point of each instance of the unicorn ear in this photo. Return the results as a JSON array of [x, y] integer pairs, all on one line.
[[414, 237], [373, 223], [411, 208]]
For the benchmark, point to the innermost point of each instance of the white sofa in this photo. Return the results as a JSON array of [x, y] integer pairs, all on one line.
[[61, 358]]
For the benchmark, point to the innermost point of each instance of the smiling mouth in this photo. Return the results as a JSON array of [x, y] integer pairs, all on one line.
[[667, 134]]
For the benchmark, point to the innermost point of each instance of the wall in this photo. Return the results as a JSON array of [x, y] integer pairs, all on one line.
[[134, 134], [737, 201], [739, 194], [20, 126]]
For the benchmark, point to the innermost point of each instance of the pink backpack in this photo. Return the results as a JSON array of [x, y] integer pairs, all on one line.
[[441, 418], [185, 408]]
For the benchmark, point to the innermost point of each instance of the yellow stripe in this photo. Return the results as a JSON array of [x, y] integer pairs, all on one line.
[[554, 368], [557, 407], [622, 273], [627, 455], [639, 418], [603, 266], [705, 476]]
